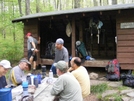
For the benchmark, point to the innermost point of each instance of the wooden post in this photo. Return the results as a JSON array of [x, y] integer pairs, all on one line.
[[73, 37], [81, 31]]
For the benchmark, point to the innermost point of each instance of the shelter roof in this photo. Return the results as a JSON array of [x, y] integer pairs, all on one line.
[[78, 10]]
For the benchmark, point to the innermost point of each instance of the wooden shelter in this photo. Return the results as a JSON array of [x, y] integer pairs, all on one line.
[[118, 23]]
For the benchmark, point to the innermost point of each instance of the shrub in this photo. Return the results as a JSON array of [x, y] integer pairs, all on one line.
[[10, 50]]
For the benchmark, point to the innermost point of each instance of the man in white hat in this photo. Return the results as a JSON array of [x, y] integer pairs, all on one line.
[[4, 67], [61, 53], [17, 73]]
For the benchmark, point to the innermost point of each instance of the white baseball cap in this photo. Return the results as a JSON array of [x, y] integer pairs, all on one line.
[[6, 64]]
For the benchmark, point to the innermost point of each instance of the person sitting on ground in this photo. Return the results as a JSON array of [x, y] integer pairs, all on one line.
[[61, 53], [17, 73], [66, 86], [81, 74], [5, 65]]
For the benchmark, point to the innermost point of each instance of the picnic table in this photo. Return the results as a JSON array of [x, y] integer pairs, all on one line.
[[42, 93]]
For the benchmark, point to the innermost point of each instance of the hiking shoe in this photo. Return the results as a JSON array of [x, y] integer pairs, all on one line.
[[33, 71]]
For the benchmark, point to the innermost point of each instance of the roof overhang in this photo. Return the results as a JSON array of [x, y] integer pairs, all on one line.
[[74, 11]]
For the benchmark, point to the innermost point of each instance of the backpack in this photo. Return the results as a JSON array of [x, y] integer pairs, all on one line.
[[113, 70], [127, 80], [50, 50], [81, 49]]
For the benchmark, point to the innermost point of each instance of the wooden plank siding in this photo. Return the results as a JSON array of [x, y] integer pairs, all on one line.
[[33, 27], [125, 43]]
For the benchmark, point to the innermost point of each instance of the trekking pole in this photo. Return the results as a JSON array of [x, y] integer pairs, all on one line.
[[98, 35]]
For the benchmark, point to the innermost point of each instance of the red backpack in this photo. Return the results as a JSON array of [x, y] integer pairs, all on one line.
[[113, 70]]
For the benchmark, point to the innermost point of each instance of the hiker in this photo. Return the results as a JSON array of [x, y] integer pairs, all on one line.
[[17, 73], [66, 88], [5, 65], [32, 49], [61, 53], [81, 74]]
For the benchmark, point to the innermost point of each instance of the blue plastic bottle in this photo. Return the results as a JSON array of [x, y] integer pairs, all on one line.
[[25, 88], [39, 78], [36, 81]]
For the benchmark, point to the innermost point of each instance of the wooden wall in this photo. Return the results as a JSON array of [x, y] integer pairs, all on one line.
[[125, 42], [31, 26]]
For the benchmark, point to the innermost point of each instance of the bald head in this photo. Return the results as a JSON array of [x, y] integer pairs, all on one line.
[[77, 61]]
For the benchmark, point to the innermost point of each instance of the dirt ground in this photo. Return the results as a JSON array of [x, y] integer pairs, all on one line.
[[101, 73]]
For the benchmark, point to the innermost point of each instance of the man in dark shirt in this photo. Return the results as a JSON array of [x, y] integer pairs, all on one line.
[[4, 66], [61, 53]]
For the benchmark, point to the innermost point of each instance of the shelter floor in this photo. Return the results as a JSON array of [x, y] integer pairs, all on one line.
[[86, 63]]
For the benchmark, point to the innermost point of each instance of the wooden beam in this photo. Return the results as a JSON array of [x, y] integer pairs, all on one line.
[[73, 37], [80, 31]]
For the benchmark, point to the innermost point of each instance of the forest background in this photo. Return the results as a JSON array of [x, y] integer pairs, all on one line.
[[11, 34]]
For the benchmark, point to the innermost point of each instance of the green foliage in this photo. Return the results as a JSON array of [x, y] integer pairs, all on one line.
[[113, 97], [13, 51], [122, 88], [99, 88], [11, 42]]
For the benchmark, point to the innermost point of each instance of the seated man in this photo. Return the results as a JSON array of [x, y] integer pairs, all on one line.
[[61, 53], [81, 74], [66, 86], [17, 73], [4, 66]]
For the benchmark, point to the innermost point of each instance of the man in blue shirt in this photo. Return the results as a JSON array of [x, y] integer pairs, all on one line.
[[4, 66]]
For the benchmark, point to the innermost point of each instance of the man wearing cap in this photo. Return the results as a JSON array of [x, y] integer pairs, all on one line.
[[17, 73], [32, 49], [81, 74], [4, 66], [61, 53], [66, 86]]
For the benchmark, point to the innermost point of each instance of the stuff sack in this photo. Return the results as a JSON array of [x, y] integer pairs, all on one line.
[[50, 50], [113, 70], [27, 98], [128, 80]]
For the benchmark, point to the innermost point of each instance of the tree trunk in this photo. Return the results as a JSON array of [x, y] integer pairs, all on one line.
[[114, 2], [95, 3], [20, 9], [77, 3], [100, 2], [2, 6], [37, 6], [55, 4], [27, 9]]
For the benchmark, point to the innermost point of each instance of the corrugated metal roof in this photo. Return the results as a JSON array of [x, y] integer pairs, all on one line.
[[78, 10]]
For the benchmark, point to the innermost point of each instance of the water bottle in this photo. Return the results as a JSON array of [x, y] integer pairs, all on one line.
[[36, 81], [25, 88], [50, 74], [32, 79], [50, 79], [29, 79], [39, 78], [43, 71]]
